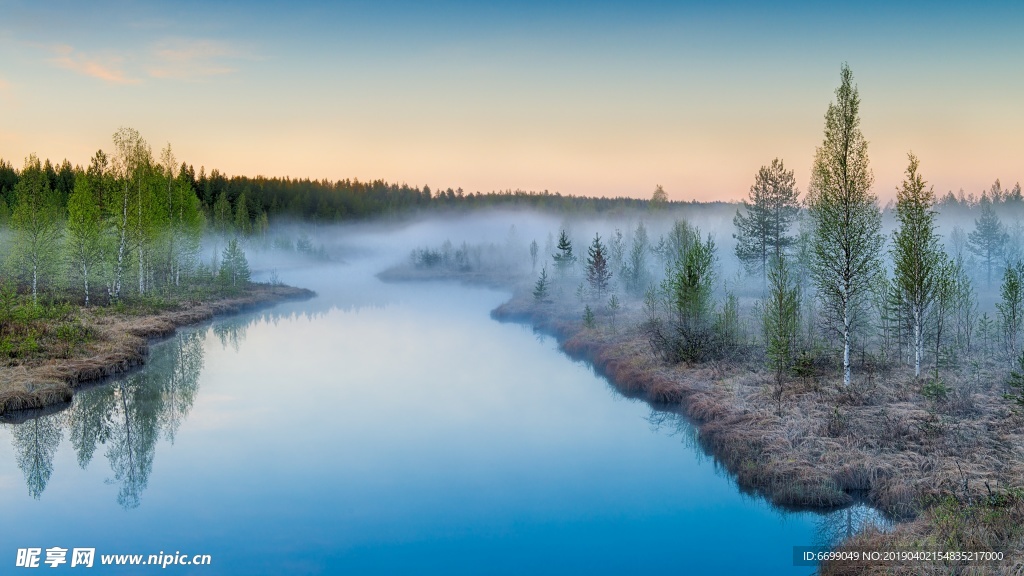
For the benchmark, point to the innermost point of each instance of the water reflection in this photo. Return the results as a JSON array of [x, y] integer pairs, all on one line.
[[35, 443], [831, 528], [128, 416]]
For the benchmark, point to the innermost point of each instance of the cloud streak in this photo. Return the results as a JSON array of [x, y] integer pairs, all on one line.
[[107, 69], [192, 59]]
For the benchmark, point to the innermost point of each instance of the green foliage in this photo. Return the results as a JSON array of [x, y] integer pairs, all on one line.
[[687, 334], [234, 269], [222, 213], [542, 288], [988, 239], [916, 254], [36, 223], [846, 219], [564, 258], [589, 321], [763, 232], [598, 272], [634, 270], [85, 239], [1015, 384], [935, 390], [727, 321], [242, 222], [689, 281], [614, 306], [1011, 307], [780, 319]]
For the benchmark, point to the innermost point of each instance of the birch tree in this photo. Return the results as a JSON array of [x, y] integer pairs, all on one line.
[[36, 224], [845, 216], [85, 232], [915, 254], [130, 162]]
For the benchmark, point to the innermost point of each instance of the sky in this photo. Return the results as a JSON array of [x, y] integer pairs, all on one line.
[[593, 98]]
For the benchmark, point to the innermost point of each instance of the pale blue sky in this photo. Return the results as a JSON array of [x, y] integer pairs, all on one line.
[[597, 98]]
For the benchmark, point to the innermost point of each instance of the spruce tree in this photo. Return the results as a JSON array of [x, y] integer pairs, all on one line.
[[541, 288], [564, 258], [598, 273]]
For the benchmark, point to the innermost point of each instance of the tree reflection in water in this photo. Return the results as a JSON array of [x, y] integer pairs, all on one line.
[[35, 443], [128, 416]]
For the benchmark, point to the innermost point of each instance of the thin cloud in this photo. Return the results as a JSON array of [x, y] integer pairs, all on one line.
[[193, 59], [107, 69]]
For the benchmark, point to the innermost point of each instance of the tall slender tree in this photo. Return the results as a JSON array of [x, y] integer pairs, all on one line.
[[845, 215], [1011, 308], [780, 319], [85, 232], [598, 273], [634, 271], [763, 231], [132, 159], [916, 254], [36, 224]]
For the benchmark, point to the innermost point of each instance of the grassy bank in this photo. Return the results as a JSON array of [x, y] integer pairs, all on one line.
[[50, 350], [950, 468]]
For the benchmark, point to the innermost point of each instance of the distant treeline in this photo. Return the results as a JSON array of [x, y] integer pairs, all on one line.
[[250, 202]]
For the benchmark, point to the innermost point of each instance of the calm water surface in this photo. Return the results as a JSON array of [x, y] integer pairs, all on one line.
[[379, 429]]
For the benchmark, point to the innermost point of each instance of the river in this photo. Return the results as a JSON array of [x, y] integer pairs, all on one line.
[[380, 429]]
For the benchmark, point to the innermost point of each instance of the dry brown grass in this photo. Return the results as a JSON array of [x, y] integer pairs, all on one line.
[[120, 343], [882, 439]]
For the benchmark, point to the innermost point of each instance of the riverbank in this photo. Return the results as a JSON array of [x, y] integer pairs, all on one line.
[[117, 341], [950, 468]]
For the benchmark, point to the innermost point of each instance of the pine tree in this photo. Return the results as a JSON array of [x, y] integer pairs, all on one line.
[[598, 273], [988, 239], [763, 232], [846, 219], [916, 254], [534, 249]]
